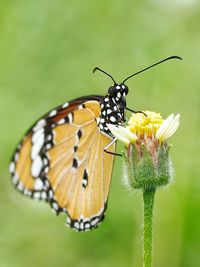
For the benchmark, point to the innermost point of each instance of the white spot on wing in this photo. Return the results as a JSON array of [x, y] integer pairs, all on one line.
[[12, 167], [65, 105], [46, 183], [84, 182], [55, 206], [46, 169], [40, 124], [68, 220], [45, 161], [94, 221], [36, 166], [15, 179], [53, 113], [76, 225], [80, 107], [87, 226], [37, 135], [70, 118], [38, 142], [50, 193], [49, 137], [48, 146], [16, 156], [38, 184], [81, 226], [44, 195], [61, 121]]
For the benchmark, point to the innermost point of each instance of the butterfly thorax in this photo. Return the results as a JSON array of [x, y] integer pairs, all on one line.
[[112, 107]]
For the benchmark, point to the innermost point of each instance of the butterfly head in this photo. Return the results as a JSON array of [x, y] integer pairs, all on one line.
[[118, 90]]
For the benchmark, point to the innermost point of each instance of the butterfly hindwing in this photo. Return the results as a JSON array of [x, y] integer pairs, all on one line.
[[62, 160]]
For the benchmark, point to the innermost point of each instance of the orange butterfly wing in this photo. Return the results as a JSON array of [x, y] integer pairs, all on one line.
[[62, 160]]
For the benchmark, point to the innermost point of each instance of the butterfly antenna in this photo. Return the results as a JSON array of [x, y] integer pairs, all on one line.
[[96, 68], [166, 59]]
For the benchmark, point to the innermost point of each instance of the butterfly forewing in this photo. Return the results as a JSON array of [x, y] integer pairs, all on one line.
[[62, 160]]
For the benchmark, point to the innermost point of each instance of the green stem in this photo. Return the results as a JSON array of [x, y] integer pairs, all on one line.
[[148, 197]]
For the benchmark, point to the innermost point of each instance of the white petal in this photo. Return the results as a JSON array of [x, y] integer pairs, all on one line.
[[122, 133], [164, 126], [168, 127], [173, 124], [115, 131]]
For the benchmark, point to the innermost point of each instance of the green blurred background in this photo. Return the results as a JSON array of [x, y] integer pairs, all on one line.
[[47, 52]]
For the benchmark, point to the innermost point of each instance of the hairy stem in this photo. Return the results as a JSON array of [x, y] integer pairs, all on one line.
[[148, 197]]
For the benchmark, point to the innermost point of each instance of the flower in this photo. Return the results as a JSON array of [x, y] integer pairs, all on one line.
[[141, 127], [147, 151]]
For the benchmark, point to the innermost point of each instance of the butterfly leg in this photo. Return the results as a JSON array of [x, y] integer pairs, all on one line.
[[138, 111], [109, 152]]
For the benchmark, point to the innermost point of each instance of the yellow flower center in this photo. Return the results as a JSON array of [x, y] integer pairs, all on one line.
[[142, 125]]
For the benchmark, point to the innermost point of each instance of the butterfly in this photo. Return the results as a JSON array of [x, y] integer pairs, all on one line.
[[66, 157]]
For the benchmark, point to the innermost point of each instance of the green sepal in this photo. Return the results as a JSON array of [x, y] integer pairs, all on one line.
[[164, 165], [129, 169], [147, 172]]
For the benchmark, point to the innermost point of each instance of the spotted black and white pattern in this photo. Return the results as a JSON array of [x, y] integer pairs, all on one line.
[[112, 107], [86, 224], [12, 168]]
